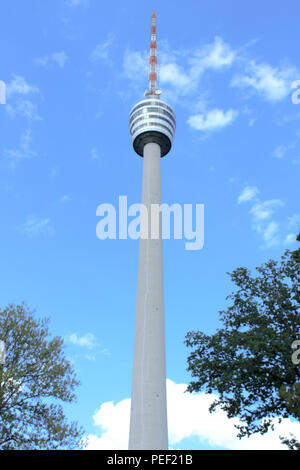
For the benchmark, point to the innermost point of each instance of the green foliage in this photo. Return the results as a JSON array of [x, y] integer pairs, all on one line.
[[247, 363], [35, 376]]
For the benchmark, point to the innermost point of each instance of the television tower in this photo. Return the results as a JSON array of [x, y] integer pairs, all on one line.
[[152, 125]]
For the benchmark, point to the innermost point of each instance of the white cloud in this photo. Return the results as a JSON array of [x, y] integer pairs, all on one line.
[[271, 234], [93, 356], [57, 58], [36, 226], [19, 86], [113, 419], [42, 60], [215, 55], [261, 213], [94, 154], [64, 199], [296, 161], [86, 341], [60, 58], [25, 108], [188, 416], [179, 71], [264, 210], [294, 221], [272, 83], [212, 120], [102, 50], [23, 152], [248, 194], [281, 150], [185, 79], [17, 89], [174, 75], [290, 238], [135, 66], [74, 3], [268, 229]]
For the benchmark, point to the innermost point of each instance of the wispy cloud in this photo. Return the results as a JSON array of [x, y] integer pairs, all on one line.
[[65, 199], [264, 210], [88, 342], [94, 154], [293, 224], [23, 152], [85, 341], [270, 233], [174, 75], [296, 161], [281, 150], [56, 58], [293, 221], [18, 102], [215, 55], [180, 71], [262, 213], [19, 86], [75, 3], [271, 83], [25, 108], [290, 238], [36, 226], [212, 120], [135, 70], [102, 51], [270, 230], [248, 194]]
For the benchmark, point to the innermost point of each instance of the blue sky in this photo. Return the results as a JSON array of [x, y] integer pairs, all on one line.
[[73, 69]]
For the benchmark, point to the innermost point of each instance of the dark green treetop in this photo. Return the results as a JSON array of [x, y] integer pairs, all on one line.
[[248, 362], [35, 378]]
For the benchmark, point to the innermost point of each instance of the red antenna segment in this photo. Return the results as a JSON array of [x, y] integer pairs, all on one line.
[[153, 60]]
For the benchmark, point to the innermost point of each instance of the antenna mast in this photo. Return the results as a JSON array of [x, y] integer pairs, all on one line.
[[153, 90]]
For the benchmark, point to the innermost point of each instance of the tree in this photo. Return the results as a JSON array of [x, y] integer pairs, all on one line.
[[34, 378], [248, 362]]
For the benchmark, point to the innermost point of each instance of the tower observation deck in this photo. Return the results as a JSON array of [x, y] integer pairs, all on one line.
[[152, 120], [152, 126]]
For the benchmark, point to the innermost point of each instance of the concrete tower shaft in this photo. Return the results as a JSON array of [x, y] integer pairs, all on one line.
[[152, 126], [148, 421]]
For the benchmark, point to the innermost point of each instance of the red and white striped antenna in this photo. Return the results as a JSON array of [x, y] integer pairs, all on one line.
[[153, 90]]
